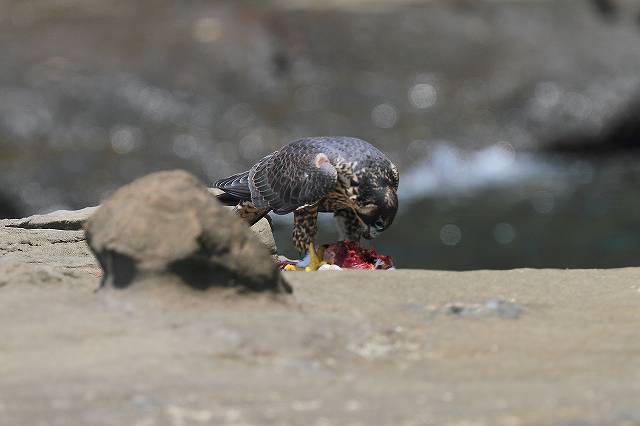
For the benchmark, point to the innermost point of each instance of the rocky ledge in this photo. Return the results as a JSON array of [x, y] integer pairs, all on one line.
[[406, 347], [48, 247]]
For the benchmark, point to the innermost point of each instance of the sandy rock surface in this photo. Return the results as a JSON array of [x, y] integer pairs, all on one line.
[[408, 347]]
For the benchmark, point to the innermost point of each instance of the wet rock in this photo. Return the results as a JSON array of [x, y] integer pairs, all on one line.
[[167, 225]]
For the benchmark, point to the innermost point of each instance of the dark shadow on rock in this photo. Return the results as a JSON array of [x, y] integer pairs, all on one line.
[[198, 273], [122, 269]]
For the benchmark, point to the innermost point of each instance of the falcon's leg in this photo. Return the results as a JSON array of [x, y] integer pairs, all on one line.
[[348, 224], [249, 212], [305, 228]]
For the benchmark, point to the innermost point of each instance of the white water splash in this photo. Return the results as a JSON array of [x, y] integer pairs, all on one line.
[[449, 169]]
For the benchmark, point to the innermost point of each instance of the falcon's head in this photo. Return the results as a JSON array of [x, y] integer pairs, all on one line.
[[377, 201]]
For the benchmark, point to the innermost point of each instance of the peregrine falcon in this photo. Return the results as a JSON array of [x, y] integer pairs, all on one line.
[[346, 176]]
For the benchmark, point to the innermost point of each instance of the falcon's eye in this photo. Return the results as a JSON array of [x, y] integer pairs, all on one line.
[[379, 225]]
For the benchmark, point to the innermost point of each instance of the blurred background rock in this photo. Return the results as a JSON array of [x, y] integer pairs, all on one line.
[[514, 123]]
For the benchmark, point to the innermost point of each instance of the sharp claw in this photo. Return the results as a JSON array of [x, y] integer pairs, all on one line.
[[315, 260]]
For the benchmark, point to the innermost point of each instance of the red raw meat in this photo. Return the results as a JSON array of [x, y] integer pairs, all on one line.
[[349, 254]]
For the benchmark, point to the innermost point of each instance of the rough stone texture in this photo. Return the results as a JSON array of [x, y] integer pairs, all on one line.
[[167, 224], [44, 256]]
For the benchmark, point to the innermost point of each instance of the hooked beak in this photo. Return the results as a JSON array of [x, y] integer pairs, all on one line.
[[370, 233]]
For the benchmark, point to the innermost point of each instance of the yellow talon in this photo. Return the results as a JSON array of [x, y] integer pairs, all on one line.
[[290, 268], [315, 260]]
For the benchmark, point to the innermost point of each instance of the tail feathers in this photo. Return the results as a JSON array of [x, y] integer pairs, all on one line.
[[236, 188], [227, 199]]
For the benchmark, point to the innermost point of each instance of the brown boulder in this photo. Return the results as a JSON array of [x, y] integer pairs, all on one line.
[[168, 224]]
